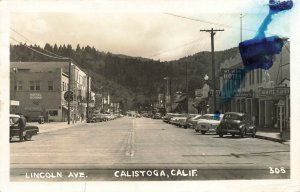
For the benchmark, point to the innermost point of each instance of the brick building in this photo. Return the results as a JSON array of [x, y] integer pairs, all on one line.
[[39, 88]]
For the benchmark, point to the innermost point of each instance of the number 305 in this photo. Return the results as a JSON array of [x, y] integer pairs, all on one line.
[[277, 170]]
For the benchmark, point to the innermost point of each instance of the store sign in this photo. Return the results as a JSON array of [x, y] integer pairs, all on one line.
[[246, 94], [35, 96], [274, 91], [14, 103], [234, 74]]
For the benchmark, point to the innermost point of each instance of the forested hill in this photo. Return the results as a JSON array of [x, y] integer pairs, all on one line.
[[134, 81]]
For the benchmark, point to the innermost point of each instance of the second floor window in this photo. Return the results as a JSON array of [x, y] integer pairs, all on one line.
[[35, 85], [50, 85], [19, 85]]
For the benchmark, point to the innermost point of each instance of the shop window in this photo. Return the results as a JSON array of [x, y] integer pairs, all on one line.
[[53, 113]]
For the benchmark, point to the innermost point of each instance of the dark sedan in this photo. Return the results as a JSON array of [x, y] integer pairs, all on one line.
[[236, 124], [28, 132]]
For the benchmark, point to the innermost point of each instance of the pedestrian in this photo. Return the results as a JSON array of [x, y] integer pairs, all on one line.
[[21, 126], [82, 116], [253, 120]]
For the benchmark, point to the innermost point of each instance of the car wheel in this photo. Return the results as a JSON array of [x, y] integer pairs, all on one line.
[[220, 135], [27, 137], [197, 131], [185, 127], [253, 133], [203, 132], [232, 134]]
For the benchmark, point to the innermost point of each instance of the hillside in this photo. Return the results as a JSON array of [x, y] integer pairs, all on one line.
[[134, 81]]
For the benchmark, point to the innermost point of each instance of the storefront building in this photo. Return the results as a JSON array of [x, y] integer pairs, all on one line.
[[39, 89], [263, 94]]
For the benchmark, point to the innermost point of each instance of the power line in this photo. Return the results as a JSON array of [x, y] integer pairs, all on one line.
[[62, 58], [33, 43], [213, 23]]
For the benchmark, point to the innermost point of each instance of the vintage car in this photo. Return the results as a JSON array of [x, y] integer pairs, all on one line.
[[236, 123], [167, 117], [176, 118], [193, 121], [184, 122], [29, 130], [157, 116], [208, 123]]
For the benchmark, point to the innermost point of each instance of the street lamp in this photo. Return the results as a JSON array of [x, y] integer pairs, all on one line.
[[206, 77]]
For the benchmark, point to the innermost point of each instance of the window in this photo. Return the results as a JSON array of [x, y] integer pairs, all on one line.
[[31, 85], [252, 77], [35, 85], [53, 112], [50, 85], [19, 85], [260, 75]]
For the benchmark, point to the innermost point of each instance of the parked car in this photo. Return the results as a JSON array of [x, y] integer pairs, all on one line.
[[208, 123], [29, 130], [176, 118], [182, 121], [192, 120], [236, 123], [167, 117], [91, 119], [157, 116]]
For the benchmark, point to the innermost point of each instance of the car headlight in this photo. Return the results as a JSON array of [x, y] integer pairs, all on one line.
[[241, 126]]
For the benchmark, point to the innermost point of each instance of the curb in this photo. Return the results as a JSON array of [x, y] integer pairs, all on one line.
[[270, 138]]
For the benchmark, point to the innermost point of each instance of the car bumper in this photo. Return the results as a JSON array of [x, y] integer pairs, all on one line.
[[230, 131]]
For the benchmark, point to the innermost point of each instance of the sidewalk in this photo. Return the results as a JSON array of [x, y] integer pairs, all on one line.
[[53, 126], [273, 135]]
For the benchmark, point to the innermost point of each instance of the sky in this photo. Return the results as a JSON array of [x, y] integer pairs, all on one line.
[[142, 29], [164, 34]]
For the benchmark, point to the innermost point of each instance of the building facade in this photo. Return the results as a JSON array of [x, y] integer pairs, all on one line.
[[263, 94], [39, 87]]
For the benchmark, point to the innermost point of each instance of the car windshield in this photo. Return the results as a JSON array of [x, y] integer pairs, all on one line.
[[233, 117], [212, 117], [13, 119]]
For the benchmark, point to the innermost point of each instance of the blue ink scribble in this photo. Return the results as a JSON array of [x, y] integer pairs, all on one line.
[[280, 6], [257, 52], [217, 115]]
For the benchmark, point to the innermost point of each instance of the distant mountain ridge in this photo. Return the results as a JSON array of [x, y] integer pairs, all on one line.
[[133, 81]]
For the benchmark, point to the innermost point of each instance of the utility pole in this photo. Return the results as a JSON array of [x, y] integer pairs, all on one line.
[[87, 97], [69, 89], [212, 34]]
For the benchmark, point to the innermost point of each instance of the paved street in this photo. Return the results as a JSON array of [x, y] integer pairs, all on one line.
[[122, 149]]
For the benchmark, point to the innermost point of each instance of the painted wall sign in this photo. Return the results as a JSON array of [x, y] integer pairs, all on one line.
[[274, 91], [35, 96]]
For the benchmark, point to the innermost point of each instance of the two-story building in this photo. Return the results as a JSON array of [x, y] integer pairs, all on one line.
[[263, 94], [39, 89]]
